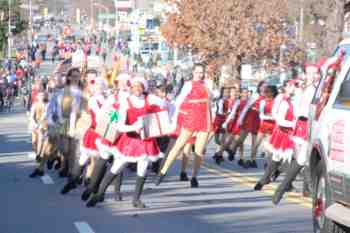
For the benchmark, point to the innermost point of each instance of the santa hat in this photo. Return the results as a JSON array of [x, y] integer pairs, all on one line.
[[139, 79]]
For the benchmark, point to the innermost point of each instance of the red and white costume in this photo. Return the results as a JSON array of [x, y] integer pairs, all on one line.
[[267, 122], [281, 141], [195, 102], [220, 114], [249, 116], [235, 109], [88, 147], [113, 103], [130, 147]]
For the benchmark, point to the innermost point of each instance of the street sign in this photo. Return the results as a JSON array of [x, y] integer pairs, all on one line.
[[246, 72]]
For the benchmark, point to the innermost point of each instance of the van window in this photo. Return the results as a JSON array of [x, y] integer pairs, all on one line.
[[343, 98]]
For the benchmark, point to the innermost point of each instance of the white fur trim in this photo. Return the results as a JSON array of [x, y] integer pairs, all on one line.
[[89, 152], [280, 155], [105, 151], [116, 153]]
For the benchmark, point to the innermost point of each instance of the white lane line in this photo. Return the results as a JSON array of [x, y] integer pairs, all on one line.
[[31, 155], [47, 179], [83, 227]]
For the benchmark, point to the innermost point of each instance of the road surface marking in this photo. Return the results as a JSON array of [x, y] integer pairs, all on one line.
[[47, 179], [250, 182], [83, 227], [31, 155]]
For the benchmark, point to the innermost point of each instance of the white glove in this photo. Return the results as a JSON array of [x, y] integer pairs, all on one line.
[[224, 126]]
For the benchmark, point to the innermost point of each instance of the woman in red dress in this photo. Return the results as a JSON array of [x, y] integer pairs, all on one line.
[[130, 147], [235, 105], [196, 121], [267, 122], [281, 142]]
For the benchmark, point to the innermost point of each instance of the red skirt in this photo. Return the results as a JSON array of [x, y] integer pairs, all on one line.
[[89, 140], [131, 148], [267, 127], [281, 140], [197, 119], [251, 122], [233, 128], [301, 130], [218, 122]]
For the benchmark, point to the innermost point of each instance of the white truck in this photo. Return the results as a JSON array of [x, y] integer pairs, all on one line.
[[329, 150]]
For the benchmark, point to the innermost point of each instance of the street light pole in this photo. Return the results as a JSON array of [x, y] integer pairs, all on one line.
[[9, 32]]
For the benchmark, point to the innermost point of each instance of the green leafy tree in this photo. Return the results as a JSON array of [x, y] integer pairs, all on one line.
[[18, 24]]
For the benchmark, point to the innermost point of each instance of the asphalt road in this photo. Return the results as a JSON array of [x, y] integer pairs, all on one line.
[[224, 203]]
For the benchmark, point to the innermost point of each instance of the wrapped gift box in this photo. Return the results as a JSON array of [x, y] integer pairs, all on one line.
[[106, 125], [156, 125]]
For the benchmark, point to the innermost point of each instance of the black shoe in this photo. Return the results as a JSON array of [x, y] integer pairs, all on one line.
[[258, 186], [49, 164], [240, 162], [138, 204], [218, 158], [94, 200], [132, 167], [231, 155], [263, 155], [183, 176], [194, 182], [86, 194], [253, 164], [36, 173], [68, 187], [159, 179]]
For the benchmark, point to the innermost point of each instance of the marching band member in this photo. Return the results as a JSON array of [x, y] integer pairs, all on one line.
[[196, 100], [281, 141], [130, 147]]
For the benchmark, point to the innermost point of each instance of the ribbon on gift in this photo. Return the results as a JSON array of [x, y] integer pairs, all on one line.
[[114, 116]]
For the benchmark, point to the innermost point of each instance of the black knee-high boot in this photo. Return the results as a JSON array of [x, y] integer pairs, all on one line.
[[99, 196], [136, 202], [96, 178], [292, 173], [271, 168], [117, 186], [73, 179]]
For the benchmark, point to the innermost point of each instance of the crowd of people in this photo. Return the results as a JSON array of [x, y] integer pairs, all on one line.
[[91, 131]]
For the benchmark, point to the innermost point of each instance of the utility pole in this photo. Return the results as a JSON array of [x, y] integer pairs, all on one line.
[[9, 31]]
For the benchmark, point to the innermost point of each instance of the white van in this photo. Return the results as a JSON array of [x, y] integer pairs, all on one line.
[[329, 150]]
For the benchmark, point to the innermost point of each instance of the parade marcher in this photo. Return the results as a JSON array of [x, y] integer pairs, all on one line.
[[248, 123], [234, 105], [39, 124], [69, 107], [88, 149], [281, 141], [196, 121], [267, 123], [131, 147]]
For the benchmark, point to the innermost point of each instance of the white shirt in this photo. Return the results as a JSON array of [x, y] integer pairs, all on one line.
[[303, 101]]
